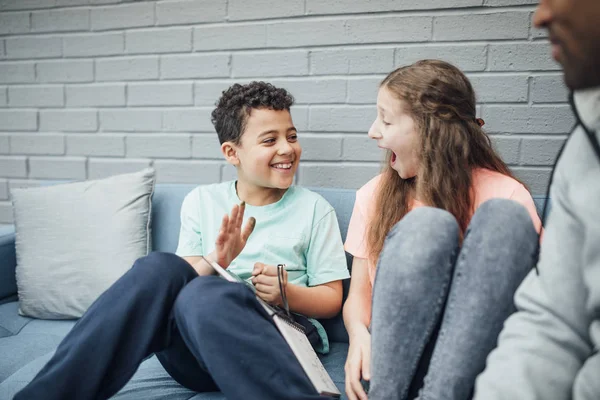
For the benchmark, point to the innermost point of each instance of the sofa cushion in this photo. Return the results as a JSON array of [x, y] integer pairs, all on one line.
[[10, 320], [166, 208], [74, 240], [26, 339]]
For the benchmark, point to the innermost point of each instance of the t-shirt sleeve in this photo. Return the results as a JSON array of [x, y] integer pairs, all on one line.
[[190, 235], [356, 238], [325, 257], [523, 196]]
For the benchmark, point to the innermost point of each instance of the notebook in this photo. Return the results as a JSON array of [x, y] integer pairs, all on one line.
[[293, 334]]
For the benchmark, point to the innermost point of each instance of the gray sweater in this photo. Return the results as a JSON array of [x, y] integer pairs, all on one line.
[[548, 349]]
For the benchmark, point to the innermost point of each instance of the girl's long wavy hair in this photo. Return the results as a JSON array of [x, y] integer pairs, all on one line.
[[441, 100]]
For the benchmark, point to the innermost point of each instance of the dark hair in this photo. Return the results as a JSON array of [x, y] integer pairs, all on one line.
[[236, 103]]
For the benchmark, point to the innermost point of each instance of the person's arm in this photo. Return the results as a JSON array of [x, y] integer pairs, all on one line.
[[357, 317], [325, 266], [544, 345], [321, 301], [357, 309]]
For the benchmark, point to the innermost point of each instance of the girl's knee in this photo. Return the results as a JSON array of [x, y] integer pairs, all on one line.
[[503, 215], [427, 222], [419, 241], [506, 207]]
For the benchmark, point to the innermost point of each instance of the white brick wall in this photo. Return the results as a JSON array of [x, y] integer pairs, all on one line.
[[3, 189], [36, 96], [17, 72], [4, 144], [97, 44], [91, 88], [38, 143]]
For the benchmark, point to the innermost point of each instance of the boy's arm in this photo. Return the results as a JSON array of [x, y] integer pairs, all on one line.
[[325, 266], [320, 301]]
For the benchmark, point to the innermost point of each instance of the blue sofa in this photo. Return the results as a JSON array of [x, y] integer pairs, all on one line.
[[26, 344]]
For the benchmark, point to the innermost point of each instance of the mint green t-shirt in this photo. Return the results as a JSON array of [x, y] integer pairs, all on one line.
[[300, 230]]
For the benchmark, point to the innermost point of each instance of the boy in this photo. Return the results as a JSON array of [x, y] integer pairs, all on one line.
[[210, 334]]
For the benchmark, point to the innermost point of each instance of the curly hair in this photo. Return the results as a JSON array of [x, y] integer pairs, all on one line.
[[236, 103]]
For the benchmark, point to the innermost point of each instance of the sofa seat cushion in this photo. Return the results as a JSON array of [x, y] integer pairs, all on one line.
[[151, 381], [10, 321], [29, 343], [25, 339]]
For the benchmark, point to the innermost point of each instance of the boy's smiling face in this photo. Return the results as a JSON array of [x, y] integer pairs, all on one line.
[[268, 154]]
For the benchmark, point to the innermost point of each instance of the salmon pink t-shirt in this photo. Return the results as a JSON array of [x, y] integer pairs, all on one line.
[[487, 185]]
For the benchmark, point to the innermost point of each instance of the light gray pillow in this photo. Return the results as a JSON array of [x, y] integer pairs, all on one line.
[[74, 240]]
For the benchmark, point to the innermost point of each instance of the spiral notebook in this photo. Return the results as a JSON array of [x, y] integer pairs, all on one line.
[[293, 334]]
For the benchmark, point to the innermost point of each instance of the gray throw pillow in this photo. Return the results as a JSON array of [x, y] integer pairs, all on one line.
[[74, 240]]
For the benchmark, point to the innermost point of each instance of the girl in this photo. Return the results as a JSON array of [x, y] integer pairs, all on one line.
[[447, 270]]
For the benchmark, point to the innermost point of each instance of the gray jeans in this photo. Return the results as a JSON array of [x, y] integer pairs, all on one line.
[[433, 293]]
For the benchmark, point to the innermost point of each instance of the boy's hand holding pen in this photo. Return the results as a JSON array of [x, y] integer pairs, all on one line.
[[267, 283]]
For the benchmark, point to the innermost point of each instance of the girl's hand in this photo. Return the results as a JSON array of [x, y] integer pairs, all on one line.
[[231, 239], [358, 364], [266, 283]]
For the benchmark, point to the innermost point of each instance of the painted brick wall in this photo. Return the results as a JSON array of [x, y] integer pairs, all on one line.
[[90, 88]]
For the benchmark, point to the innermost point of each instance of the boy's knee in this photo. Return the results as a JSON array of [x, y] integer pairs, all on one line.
[[207, 298], [163, 267]]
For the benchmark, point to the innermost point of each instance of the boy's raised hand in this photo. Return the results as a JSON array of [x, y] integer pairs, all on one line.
[[231, 238], [266, 283]]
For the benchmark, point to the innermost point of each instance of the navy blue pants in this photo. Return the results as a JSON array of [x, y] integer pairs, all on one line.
[[209, 334]]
